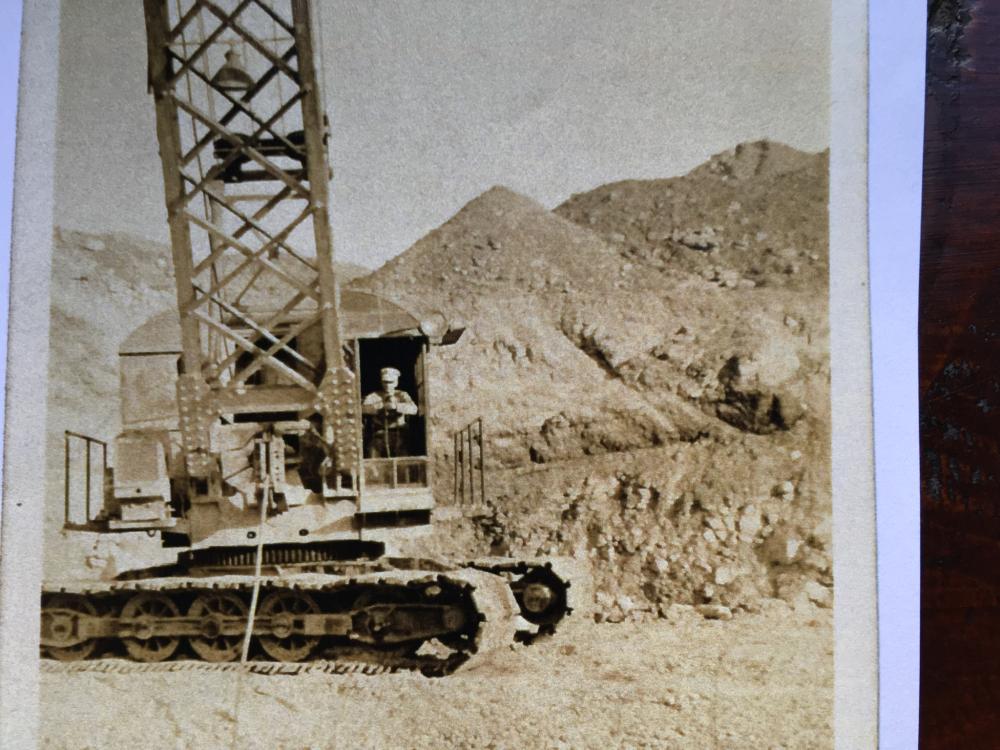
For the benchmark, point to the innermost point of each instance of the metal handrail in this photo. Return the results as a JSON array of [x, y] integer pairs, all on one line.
[[68, 436], [467, 453]]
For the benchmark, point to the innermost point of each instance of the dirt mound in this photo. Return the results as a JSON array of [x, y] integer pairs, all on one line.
[[497, 241], [754, 215], [662, 339]]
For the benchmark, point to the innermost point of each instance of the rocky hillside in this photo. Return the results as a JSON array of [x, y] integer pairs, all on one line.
[[651, 363], [754, 214]]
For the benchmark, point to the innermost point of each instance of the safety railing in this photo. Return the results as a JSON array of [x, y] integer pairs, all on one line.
[[396, 473], [467, 455], [93, 453]]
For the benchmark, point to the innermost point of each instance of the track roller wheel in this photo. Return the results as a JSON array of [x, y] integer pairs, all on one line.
[[147, 607], [213, 608], [58, 617], [282, 607]]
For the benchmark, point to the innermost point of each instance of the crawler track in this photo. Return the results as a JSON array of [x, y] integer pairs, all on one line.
[[360, 616], [379, 618]]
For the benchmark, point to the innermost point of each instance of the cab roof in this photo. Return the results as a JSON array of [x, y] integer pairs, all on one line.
[[362, 315]]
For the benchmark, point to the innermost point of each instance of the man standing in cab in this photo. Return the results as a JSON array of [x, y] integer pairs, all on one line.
[[388, 409]]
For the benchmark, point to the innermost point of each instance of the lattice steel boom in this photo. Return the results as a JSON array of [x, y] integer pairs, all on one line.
[[243, 145]]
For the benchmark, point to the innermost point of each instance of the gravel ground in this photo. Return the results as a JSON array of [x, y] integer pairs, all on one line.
[[758, 681]]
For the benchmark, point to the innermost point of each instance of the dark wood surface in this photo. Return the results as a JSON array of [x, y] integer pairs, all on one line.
[[960, 380]]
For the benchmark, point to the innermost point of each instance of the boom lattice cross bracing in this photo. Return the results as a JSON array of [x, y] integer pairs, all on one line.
[[243, 144]]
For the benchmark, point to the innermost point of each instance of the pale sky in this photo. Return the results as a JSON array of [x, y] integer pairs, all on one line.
[[432, 102]]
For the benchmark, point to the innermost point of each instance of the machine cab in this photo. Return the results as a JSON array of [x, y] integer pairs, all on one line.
[[382, 338], [392, 370]]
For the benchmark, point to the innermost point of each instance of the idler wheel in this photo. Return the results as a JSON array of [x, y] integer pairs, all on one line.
[[283, 608], [145, 609], [541, 595], [213, 609], [537, 597], [59, 624]]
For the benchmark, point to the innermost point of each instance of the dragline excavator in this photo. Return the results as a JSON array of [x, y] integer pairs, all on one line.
[[245, 443]]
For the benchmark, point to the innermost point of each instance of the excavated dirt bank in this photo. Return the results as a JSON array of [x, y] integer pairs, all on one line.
[[651, 364]]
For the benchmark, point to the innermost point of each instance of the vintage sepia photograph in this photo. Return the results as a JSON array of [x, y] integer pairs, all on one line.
[[443, 375]]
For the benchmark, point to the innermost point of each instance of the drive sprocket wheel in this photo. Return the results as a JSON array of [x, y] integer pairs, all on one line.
[[58, 615], [282, 607], [147, 607], [213, 608]]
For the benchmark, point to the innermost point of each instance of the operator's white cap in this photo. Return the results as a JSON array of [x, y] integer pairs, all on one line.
[[389, 373]]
